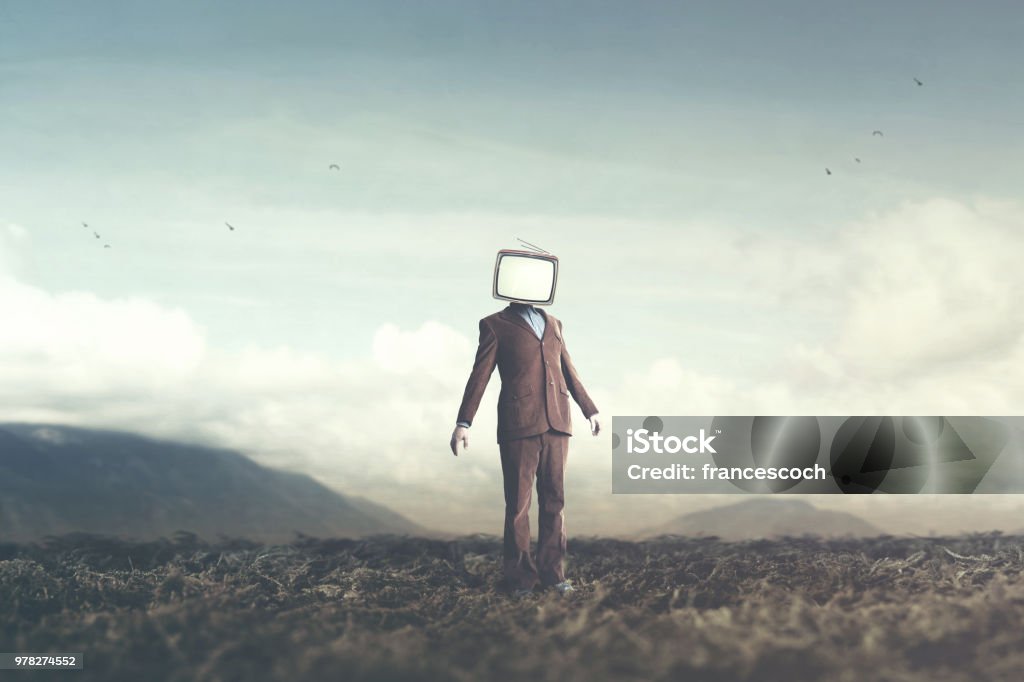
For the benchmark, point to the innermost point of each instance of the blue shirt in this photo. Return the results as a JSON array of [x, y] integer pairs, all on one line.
[[533, 317]]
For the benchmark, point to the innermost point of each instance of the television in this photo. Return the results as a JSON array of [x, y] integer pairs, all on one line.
[[525, 277]]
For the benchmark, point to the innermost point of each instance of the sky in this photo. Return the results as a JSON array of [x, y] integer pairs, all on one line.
[[672, 154]]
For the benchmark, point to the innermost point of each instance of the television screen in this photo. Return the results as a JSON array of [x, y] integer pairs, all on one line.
[[526, 277]]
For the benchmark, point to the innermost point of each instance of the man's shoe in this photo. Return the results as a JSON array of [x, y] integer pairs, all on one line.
[[564, 588]]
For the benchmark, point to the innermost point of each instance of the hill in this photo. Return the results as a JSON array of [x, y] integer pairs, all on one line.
[[57, 479], [767, 518]]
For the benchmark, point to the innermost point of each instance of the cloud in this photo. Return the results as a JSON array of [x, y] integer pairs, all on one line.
[[933, 285], [433, 350], [914, 311], [919, 309], [12, 236], [129, 363], [76, 344], [928, 318]]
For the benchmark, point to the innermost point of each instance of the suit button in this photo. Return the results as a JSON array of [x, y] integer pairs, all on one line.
[[552, 383]]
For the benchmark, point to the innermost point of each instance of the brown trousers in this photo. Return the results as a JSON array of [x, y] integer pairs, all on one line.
[[523, 459]]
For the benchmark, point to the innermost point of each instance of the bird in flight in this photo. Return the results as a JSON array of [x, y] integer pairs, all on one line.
[[106, 246], [96, 234], [878, 132], [334, 166], [856, 159], [84, 224], [828, 172], [919, 83], [230, 226]]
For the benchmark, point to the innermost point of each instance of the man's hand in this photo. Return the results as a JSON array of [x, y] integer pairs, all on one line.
[[595, 424], [460, 434]]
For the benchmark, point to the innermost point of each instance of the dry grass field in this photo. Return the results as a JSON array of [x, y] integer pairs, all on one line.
[[390, 608]]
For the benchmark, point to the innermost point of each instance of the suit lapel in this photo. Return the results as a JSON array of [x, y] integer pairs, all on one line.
[[516, 318], [547, 324], [513, 317]]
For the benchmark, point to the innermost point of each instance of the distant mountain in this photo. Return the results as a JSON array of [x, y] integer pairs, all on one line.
[[767, 518], [57, 479]]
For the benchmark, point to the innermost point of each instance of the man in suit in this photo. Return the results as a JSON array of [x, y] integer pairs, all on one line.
[[537, 378]]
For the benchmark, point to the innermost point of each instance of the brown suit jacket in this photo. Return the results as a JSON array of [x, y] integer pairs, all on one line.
[[537, 377]]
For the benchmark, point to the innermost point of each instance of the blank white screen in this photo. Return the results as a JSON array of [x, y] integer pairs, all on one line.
[[525, 279]]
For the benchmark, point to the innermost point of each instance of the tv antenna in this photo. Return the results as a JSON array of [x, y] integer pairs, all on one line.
[[532, 247]]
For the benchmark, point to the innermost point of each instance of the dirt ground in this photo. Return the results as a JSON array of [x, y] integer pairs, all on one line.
[[393, 608]]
